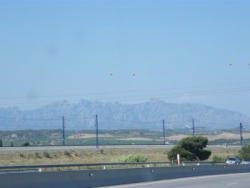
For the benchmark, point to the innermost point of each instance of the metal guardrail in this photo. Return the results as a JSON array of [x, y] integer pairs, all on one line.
[[106, 164], [202, 163], [81, 165]]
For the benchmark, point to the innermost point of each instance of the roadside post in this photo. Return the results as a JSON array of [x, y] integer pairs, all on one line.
[[178, 160]]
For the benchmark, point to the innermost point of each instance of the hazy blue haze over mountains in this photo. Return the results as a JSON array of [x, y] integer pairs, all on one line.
[[120, 116]]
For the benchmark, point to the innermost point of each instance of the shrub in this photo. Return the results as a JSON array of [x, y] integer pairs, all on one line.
[[26, 144], [190, 149], [22, 155], [11, 144], [244, 152], [1, 143], [184, 154], [37, 155], [67, 153], [133, 158], [218, 159], [46, 154]]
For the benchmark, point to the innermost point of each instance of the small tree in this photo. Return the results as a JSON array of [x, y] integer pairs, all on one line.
[[1, 143], [26, 144], [184, 154], [190, 149], [244, 152], [11, 144]]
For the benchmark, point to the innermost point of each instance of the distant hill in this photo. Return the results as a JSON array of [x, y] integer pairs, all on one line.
[[146, 115]]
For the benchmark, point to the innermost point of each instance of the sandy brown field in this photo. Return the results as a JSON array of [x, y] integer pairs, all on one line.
[[224, 135], [87, 136], [137, 138]]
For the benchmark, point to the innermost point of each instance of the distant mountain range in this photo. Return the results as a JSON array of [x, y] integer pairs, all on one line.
[[148, 115]]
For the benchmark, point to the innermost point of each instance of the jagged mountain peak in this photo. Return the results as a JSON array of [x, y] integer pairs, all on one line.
[[121, 116]]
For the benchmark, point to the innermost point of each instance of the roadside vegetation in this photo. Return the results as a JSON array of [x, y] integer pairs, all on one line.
[[218, 159], [98, 156], [135, 158], [244, 152], [190, 149]]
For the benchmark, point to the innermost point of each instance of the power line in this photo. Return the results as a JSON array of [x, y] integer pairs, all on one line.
[[97, 133], [164, 132], [241, 137], [63, 130], [193, 127]]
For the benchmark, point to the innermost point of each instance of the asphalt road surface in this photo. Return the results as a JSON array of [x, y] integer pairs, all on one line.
[[56, 148], [216, 181]]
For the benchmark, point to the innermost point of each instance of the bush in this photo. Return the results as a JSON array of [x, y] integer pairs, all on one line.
[[11, 144], [190, 149], [1, 143], [22, 155], [244, 152], [218, 159], [67, 153], [26, 144], [184, 154], [46, 154], [37, 155], [133, 159]]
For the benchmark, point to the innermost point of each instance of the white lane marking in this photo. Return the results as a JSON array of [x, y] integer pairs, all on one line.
[[232, 184], [176, 180]]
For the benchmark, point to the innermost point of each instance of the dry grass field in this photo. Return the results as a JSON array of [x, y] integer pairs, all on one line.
[[224, 135], [177, 137], [86, 136], [94, 155]]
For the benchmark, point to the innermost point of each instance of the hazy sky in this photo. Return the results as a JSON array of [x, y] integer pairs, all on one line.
[[179, 51]]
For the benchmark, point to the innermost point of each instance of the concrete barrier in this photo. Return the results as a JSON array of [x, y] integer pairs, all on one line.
[[95, 178]]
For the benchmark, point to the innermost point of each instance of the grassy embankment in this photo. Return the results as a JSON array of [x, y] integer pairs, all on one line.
[[94, 156]]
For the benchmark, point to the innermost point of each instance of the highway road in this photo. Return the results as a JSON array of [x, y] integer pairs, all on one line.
[[231, 176], [216, 181], [58, 148]]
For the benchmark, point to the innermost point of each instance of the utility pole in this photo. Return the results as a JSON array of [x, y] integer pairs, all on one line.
[[63, 130], [96, 131], [193, 127], [164, 132], [241, 136]]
